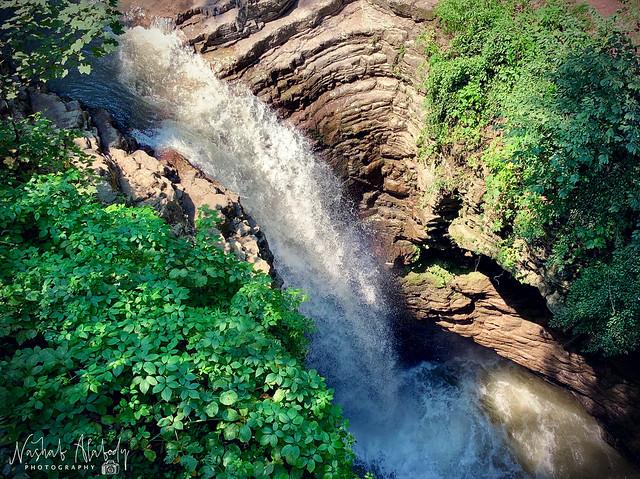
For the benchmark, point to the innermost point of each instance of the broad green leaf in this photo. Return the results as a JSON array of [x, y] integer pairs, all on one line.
[[290, 453], [211, 409], [245, 433], [166, 394], [228, 398], [279, 395]]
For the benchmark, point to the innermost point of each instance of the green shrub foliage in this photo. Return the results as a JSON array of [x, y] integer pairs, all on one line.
[[561, 87], [113, 328], [604, 303], [31, 146], [42, 39]]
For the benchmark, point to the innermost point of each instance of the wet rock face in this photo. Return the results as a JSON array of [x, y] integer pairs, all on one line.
[[348, 73], [223, 22], [167, 182], [472, 306]]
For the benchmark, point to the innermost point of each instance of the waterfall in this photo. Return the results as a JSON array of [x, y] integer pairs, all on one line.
[[426, 421]]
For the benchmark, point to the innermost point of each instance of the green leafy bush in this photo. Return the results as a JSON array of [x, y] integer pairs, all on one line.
[[41, 39], [113, 328], [560, 88], [493, 44], [604, 303], [31, 146], [575, 139]]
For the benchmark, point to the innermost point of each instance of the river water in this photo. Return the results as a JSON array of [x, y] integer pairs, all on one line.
[[461, 413]]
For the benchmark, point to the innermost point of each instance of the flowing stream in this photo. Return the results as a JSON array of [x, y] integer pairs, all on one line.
[[462, 415]]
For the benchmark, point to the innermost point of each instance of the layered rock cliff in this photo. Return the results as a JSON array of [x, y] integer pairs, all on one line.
[[348, 73], [165, 180]]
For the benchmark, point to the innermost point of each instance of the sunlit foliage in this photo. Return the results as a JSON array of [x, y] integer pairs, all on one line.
[[561, 88], [112, 327], [42, 39]]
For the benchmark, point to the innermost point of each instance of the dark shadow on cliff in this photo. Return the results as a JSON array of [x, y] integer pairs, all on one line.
[[614, 400], [612, 396], [608, 388]]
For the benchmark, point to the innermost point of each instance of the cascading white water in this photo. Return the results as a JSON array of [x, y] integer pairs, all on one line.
[[423, 422], [229, 134]]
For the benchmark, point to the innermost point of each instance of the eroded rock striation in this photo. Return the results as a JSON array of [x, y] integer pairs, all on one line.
[[472, 306], [348, 73]]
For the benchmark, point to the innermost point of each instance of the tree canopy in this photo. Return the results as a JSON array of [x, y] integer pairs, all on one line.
[[41, 40]]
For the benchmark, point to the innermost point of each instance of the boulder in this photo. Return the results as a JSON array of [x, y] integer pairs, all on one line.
[[64, 114], [168, 183]]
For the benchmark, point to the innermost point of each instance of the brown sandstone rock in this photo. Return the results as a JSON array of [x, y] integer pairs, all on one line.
[[242, 235], [471, 306], [168, 183], [345, 71], [348, 73]]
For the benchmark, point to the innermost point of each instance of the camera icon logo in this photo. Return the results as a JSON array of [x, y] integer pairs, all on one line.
[[110, 468]]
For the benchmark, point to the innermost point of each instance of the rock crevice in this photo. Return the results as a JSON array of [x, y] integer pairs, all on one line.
[[165, 180], [348, 73]]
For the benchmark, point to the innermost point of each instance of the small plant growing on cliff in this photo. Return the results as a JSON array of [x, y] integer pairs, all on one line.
[[400, 53]]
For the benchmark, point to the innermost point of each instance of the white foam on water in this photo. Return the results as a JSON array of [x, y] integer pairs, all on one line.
[[549, 433], [424, 422]]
